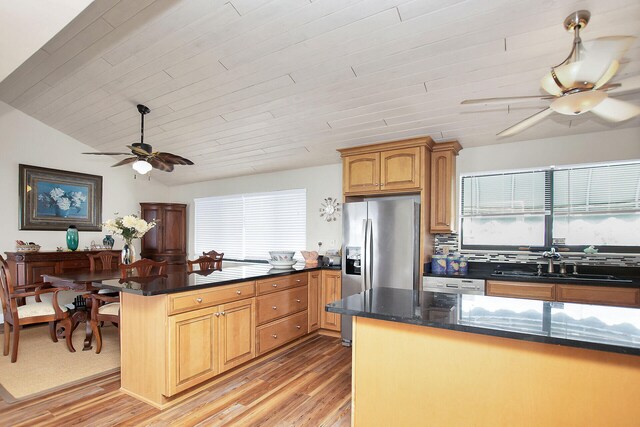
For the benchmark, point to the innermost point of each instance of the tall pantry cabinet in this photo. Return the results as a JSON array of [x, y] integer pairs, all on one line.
[[168, 239]]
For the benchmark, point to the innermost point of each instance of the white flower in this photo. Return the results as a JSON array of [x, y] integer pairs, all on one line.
[[129, 221], [63, 203], [56, 193], [77, 198]]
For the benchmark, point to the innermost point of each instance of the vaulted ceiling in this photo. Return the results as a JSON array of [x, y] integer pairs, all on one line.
[[249, 86]]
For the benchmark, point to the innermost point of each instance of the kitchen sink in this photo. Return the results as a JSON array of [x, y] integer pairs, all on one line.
[[557, 276]]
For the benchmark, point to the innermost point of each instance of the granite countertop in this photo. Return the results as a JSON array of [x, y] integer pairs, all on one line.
[[179, 280], [629, 276], [613, 329]]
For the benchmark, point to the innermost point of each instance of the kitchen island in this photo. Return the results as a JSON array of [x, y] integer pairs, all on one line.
[[466, 360], [181, 330]]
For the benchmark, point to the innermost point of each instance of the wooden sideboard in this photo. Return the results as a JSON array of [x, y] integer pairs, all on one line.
[[28, 268]]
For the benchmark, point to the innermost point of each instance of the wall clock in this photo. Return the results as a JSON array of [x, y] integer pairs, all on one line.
[[329, 209]]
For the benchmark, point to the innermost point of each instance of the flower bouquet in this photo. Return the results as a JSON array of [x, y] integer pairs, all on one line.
[[129, 227]]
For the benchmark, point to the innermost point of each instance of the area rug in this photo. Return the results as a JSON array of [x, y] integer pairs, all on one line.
[[44, 366]]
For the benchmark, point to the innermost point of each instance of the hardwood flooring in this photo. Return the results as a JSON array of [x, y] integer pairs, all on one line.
[[310, 385]]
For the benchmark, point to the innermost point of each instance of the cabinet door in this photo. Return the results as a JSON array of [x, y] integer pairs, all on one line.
[[362, 173], [237, 333], [539, 291], [604, 295], [442, 192], [151, 242], [331, 291], [400, 169], [193, 349], [173, 241], [314, 299], [35, 270]]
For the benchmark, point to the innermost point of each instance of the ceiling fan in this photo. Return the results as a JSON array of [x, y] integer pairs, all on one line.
[[580, 83], [143, 157]]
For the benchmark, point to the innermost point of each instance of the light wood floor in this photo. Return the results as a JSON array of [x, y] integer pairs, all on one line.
[[307, 386]]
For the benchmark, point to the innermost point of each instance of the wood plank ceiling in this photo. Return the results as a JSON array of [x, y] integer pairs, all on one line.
[[249, 86]]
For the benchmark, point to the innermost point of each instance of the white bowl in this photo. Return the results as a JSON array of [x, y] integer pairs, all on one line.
[[282, 264], [282, 255]]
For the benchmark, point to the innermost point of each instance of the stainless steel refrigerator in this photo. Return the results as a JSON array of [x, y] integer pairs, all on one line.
[[381, 248]]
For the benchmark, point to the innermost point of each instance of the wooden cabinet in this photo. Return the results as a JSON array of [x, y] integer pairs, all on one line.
[[236, 333], [28, 268], [314, 298], [331, 291], [400, 169], [385, 167], [280, 304], [282, 331], [193, 348], [539, 291], [168, 239], [598, 295], [601, 295], [362, 173], [443, 187]]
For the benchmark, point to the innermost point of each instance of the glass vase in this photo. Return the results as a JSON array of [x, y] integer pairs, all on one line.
[[108, 241], [128, 254], [72, 238]]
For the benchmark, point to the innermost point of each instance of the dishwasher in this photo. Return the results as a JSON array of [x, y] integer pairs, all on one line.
[[453, 285]]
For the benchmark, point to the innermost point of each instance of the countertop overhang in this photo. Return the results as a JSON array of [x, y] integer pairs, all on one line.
[[179, 280], [612, 329]]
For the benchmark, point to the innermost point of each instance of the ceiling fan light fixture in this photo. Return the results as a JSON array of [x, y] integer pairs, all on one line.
[[142, 167], [578, 103]]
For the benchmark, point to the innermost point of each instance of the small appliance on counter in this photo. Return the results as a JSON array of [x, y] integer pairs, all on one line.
[[332, 258]]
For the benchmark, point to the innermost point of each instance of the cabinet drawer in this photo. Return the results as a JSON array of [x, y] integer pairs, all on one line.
[[281, 332], [207, 297], [279, 283], [280, 304], [599, 295], [74, 264], [541, 291]]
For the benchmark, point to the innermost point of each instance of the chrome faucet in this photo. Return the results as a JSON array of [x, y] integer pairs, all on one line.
[[551, 255]]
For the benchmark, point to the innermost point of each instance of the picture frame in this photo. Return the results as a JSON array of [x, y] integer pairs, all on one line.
[[52, 199]]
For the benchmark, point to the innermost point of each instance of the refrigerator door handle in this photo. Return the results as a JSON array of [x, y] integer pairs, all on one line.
[[363, 257], [368, 267]]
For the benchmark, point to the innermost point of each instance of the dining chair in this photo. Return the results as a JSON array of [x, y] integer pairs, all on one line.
[[30, 313], [105, 258], [106, 308], [216, 256], [204, 263]]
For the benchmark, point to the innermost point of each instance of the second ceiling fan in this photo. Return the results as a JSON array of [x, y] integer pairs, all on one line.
[[580, 83]]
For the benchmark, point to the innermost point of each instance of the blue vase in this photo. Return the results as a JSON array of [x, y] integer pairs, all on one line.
[[62, 213], [108, 241], [72, 238]]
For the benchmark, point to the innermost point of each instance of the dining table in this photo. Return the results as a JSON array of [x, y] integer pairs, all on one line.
[[81, 281]]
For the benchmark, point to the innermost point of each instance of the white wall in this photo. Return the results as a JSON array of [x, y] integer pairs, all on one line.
[[26, 140], [320, 182], [623, 144]]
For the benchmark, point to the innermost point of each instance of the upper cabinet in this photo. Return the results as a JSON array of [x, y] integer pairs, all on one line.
[[443, 187], [168, 239], [392, 167]]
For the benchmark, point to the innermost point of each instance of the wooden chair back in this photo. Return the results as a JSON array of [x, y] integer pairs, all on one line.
[[215, 255], [6, 283], [205, 263], [106, 260], [143, 268]]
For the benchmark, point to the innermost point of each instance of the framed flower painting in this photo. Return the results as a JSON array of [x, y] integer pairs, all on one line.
[[52, 199]]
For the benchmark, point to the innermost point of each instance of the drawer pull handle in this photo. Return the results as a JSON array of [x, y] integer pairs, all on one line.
[[297, 300], [198, 300], [275, 285], [298, 280], [238, 292], [223, 313], [274, 307], [274, 336], [298, 326], [217, 314]]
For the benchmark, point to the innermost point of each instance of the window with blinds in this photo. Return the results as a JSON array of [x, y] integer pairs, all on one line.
[[578, 206], [248, 226]]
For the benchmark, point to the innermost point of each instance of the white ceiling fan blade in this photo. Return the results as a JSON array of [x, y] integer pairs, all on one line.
[[528, 122], [504, 99], [627, 85], [615, 110], [596, 57]]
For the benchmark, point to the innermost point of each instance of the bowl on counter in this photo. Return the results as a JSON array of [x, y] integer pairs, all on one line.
[[282, 264], [282, 255]]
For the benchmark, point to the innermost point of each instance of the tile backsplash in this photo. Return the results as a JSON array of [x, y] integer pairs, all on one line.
[[449, 242]]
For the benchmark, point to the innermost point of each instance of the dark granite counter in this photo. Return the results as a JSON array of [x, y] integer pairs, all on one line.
[[626, 276], [613, 329], [179, 280]]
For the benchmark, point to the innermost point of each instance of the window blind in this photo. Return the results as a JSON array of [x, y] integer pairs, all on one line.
[[518, 193], [248, 226], [601, 189]]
